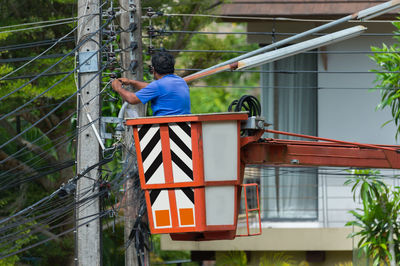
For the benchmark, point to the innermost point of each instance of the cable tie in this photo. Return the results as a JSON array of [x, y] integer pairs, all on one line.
[[133, 65], [132, 27], [133, 46]]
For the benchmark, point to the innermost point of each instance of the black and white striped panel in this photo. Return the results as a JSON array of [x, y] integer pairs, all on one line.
[[150, 146], [181, 151]]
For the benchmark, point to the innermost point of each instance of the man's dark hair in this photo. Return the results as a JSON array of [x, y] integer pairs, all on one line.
[[163, 63]]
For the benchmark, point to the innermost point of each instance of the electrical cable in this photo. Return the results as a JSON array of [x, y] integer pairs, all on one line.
[[296, 71], [41, 54], [38, 22], [45, 134], [52, 86], [34, 44], [266, 33], [248, 103], [58, 41], [22, 59], [80, 176], [34, 75], [48, 218], [100, 215], [37, 27], [52, 111], [88, 38], [52, 195], [41, 173], [273, 18], [39, 138], [7, 173], [46, 240], [55, 214], [346, 89], [308, 52], [56, 126]]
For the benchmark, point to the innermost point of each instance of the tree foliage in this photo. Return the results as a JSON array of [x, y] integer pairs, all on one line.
[[41, 144], [388, 77], [376, 223]]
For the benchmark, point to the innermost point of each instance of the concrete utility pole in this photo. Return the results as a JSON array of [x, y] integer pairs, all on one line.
[[132, 59], [88, 240]]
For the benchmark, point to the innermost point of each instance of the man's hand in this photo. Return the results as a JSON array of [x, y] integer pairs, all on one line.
[[116, 85], [125, 81], [128, 96]]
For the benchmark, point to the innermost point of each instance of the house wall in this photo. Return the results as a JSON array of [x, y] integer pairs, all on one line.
[[346, 111]]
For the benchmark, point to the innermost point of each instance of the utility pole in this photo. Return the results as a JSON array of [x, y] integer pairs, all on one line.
[[88, 234], [132, 60]]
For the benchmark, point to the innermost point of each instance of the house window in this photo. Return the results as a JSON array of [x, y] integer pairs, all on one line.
[[289, 102]]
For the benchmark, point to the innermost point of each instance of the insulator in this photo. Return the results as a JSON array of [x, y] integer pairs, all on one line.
[[151, 50], [132, 27], [133, 66], [133, 46]]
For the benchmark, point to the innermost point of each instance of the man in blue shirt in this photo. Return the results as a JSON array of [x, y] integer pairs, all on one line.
[[169, 94]]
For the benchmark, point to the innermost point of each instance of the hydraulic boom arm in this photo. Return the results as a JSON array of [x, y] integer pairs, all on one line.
[[278, 152]]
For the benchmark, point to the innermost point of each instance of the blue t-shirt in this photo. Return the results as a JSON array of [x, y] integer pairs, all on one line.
[[168, 95]]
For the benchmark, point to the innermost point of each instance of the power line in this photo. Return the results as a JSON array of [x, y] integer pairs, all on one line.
[[271, 18], [263, 33], [34, 44], [41, 54], [37, 27], [54, 146], [297, 71], [83, 128], [52, 111], [308, 52], [59, 40], [55, 64], [39, 159], [52, 195], [58, 235], [279, 87], [51, 170], [34, 75], [22, 59], [38, 22], [56, 212]]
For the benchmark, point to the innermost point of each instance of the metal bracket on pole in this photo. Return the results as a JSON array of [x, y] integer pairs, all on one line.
[[91, 65], [108, 120]]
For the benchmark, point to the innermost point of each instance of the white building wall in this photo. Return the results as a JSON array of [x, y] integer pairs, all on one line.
[[347, 111], [346, 108]]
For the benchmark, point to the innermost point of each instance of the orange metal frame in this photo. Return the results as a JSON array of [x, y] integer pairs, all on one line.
[[187, 118], [200, 231], [245, 186]]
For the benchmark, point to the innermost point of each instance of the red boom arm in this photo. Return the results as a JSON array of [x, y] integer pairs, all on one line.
[[277, 152]]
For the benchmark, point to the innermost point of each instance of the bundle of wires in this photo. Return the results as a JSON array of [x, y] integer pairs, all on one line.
[[248, 103]]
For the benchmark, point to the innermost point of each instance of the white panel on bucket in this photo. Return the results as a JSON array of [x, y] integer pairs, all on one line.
[[220, 149], [220, 205]]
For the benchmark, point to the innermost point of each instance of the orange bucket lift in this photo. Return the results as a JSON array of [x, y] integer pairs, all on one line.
[[190, 170]]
